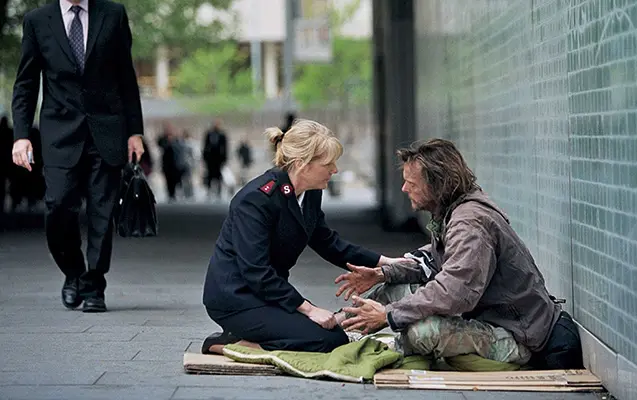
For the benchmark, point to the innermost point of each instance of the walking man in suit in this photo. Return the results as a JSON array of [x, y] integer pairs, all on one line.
[[90, 121]]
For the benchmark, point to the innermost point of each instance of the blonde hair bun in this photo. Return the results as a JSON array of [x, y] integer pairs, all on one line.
[[274, 135]]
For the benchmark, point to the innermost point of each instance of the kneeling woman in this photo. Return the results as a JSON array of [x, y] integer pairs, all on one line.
[[269, 224]]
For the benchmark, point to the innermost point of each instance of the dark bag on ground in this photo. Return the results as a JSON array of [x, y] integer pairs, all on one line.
[[563, 349], [134, 214]]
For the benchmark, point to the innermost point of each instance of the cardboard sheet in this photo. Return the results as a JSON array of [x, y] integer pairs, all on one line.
[[541, 381], [196, 363]]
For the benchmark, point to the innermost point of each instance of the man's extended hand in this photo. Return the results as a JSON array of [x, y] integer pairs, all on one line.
[[20, 153], [370, 316], [135, 146], [360, 280]]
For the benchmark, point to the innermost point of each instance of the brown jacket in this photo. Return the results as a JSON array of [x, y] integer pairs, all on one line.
[[485, 272]]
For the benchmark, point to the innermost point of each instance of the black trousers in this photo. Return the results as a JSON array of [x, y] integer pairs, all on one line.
[[98, 182], [563, 349], [275, 329]]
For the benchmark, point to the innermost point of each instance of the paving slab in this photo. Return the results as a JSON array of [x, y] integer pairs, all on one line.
[[327, 391], [92, 392], [69, 375]]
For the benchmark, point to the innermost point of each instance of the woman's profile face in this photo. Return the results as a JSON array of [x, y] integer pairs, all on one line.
[[318, 172]]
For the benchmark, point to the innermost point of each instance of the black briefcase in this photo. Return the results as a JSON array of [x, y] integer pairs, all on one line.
[[134, 214]]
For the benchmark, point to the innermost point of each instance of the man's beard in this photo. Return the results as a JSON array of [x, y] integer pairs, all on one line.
[[423, 206], [418, 206]]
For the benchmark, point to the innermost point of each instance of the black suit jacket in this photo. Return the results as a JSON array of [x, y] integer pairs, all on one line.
[[260, 241], [105, 96]]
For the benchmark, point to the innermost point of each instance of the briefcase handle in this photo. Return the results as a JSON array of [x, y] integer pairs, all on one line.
[[134, 165]]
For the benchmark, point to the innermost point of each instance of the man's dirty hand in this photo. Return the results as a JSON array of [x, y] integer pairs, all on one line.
[[369, 316]]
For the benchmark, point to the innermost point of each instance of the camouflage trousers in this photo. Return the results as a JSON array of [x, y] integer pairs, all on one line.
[[447, 336]]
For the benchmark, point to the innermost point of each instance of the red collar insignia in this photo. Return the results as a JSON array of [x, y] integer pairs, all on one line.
[[267, 188]]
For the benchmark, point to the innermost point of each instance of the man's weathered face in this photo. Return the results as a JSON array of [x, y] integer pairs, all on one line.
[[417, 189]]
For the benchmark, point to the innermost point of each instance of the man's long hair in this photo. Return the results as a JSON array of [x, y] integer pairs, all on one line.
[[443, 169]]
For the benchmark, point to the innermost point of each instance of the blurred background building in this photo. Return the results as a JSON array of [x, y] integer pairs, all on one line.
[[258, 29]]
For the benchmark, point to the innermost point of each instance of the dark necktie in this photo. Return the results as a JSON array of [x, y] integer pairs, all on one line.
[[76, 38]]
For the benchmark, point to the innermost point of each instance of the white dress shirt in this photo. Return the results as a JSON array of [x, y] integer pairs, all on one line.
[[300, 201], [68, 15]]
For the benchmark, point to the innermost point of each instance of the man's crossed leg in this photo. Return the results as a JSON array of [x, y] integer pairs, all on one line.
[[448, 336]]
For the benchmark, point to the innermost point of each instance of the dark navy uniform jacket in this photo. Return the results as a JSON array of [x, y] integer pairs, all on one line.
[[260, 241]]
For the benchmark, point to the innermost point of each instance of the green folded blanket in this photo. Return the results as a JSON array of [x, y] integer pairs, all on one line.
[[352, 362], [357, 361]]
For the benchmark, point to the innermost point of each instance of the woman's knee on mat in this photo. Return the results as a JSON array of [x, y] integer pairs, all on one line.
[[325, 342], [333, 339]]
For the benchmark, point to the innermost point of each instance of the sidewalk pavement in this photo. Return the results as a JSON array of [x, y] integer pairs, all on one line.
[[155, 314]]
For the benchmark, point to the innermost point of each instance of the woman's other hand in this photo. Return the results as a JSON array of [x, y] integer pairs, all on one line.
[[321, 316]]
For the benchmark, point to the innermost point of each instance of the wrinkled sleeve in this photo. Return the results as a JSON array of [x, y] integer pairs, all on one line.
[[27, 82], [251, 223], [406, 272], [468, 266]]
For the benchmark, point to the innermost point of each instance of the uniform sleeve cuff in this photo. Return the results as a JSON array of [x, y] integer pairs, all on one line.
[[369, 258], [294, 303]]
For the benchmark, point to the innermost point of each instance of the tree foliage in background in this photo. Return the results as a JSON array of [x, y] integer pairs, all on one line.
[[153, 22], [172, 23], [11, 15], [220, 70], [347, 79], [216, 80]]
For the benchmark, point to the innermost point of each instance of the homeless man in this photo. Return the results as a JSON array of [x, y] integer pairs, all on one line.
[[474, 290]]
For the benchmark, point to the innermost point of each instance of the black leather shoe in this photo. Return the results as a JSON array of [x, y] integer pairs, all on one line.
[[94, 304], [70, 293], [222, 338]]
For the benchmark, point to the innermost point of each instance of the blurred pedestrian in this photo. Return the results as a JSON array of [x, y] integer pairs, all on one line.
[[215, 156], [244, 154]]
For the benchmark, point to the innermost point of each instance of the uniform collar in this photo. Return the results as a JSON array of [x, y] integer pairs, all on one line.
[[283, 182], [282, 177]]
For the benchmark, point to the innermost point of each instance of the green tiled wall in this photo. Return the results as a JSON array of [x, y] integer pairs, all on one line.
[[541, 97]]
